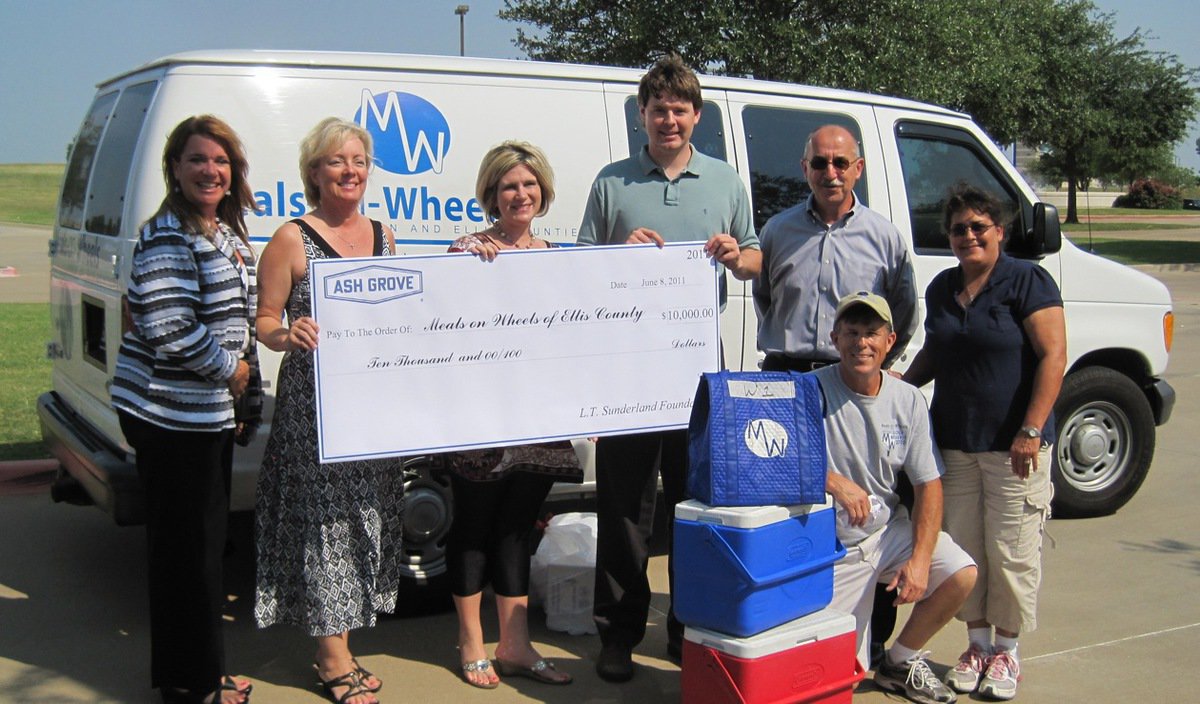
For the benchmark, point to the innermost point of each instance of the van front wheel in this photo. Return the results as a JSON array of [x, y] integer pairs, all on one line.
[[1105, 442]]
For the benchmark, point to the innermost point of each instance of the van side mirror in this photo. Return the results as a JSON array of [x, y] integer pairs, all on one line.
[[1045, 237]]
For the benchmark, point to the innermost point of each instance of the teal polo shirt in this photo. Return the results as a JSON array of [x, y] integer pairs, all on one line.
[[706, 199]]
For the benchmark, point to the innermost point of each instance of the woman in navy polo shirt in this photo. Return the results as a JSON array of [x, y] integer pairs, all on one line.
[[995, 344]]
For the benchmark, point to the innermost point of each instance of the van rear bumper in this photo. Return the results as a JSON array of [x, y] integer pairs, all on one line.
[[101, 470]]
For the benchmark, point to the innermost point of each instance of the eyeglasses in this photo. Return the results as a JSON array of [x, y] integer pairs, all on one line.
[[976, 228], [820, 163]]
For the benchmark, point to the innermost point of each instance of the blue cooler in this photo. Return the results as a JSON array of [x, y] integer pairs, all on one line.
[[743, 570]]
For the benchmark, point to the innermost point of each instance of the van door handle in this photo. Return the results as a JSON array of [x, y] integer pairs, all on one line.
[[116, 266]]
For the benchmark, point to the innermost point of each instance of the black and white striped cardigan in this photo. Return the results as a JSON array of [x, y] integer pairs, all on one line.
[[192, 301]]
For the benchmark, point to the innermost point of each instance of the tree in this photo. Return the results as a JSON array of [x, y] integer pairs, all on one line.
[[1105, 106], [956, 53], [1042, 72]]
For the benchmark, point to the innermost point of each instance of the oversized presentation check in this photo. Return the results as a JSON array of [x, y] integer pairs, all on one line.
[[448, 352]]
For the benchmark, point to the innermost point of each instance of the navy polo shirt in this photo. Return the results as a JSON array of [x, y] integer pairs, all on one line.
[[983, 359]]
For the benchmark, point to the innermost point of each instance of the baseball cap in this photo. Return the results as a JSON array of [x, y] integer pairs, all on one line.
[[865, 298]]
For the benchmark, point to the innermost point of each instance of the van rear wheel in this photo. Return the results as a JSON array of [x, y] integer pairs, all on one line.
[[428, 513], [1105, 442]]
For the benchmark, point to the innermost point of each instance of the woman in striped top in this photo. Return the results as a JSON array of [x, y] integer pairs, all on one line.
[[186, 388]]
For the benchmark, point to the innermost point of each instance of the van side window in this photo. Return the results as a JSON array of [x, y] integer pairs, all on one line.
[[775, 139], [934, 159], [106, 199], [70, 209], [709, 136]]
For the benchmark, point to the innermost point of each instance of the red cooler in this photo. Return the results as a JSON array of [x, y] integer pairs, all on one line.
[[811, 659]]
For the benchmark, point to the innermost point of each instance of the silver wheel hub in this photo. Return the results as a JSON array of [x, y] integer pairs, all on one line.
[[1094, 446]]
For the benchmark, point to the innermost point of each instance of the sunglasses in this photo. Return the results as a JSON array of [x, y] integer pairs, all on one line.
[[820, 163], [976, 228]]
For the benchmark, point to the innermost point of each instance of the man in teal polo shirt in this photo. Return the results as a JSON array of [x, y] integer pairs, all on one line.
[[668, 192]]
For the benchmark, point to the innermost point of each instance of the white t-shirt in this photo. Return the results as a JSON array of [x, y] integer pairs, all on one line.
[[871, 439]]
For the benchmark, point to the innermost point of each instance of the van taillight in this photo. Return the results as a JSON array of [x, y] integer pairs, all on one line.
[[1168, 330]]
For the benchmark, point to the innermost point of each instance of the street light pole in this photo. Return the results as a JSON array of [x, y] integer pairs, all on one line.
[[461, 11]]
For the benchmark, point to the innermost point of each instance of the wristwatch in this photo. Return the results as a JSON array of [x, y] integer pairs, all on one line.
[[1030, 431]]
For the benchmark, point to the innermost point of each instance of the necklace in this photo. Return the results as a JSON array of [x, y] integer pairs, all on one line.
[[512, 242], [966, 293], [353, 246]]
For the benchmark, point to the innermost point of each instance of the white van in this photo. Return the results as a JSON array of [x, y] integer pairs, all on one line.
[[434, 117]]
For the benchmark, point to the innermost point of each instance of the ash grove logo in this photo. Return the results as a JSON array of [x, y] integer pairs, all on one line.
[[373, 284]]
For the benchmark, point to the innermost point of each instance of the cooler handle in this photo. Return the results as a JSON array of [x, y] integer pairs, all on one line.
[[821, 693], [783, 575], [726, 678]]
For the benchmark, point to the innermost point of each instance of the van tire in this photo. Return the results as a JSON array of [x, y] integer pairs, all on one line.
[[1105, 442], [424, 586]]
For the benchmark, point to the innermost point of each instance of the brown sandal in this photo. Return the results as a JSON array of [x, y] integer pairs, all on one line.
[[364, 674], [539, 671], [351, 681]]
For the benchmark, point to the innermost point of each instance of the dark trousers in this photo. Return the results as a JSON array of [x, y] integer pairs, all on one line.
[[185, 476], [627, 471], [489, 540]]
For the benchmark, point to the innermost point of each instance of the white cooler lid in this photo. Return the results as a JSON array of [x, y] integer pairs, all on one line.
[[744, 516], [822, 625]]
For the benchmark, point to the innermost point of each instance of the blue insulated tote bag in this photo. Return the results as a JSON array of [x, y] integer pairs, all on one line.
[[757, 438]]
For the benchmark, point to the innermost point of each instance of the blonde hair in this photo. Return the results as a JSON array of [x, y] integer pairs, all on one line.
[[327, 136], [499, 160]]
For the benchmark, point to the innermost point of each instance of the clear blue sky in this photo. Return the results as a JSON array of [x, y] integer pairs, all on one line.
[[53, 52]]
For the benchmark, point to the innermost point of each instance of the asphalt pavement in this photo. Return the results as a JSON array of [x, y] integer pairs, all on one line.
[[1119, 617]]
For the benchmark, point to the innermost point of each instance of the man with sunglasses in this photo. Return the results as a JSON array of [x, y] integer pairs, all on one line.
[[667, 192], [822, 249], [813, 254]]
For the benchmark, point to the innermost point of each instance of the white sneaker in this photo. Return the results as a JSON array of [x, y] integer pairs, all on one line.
[[1001, 677], [964, 676], [914, 680]]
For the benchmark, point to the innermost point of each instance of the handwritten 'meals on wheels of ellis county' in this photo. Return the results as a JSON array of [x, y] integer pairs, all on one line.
[[444, 352]]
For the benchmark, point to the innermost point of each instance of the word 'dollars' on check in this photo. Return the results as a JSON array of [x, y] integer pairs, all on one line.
[[447, 352]]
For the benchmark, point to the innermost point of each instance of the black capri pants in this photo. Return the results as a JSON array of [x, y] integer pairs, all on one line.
[[489, 540]]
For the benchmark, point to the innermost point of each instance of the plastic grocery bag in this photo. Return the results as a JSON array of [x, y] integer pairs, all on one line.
[[563, 573]]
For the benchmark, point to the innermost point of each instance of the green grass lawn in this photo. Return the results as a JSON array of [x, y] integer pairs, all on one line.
[[1141, 251], [24, 375], [29, 192], [1109, 226], [1084, 212]]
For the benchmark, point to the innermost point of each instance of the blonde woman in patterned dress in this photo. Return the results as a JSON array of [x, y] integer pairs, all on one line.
[[328, 536]]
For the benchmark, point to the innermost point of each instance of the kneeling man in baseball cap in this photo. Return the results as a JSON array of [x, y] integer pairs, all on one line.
[[877, 426]]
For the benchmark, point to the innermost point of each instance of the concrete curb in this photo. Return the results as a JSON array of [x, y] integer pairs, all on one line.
[[21, 468]]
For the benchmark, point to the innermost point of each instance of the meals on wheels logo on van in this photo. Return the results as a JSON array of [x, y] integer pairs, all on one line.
[[411, 135], [373, 284]]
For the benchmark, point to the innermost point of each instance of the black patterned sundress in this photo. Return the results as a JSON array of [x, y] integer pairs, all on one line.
[[328, 536]]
